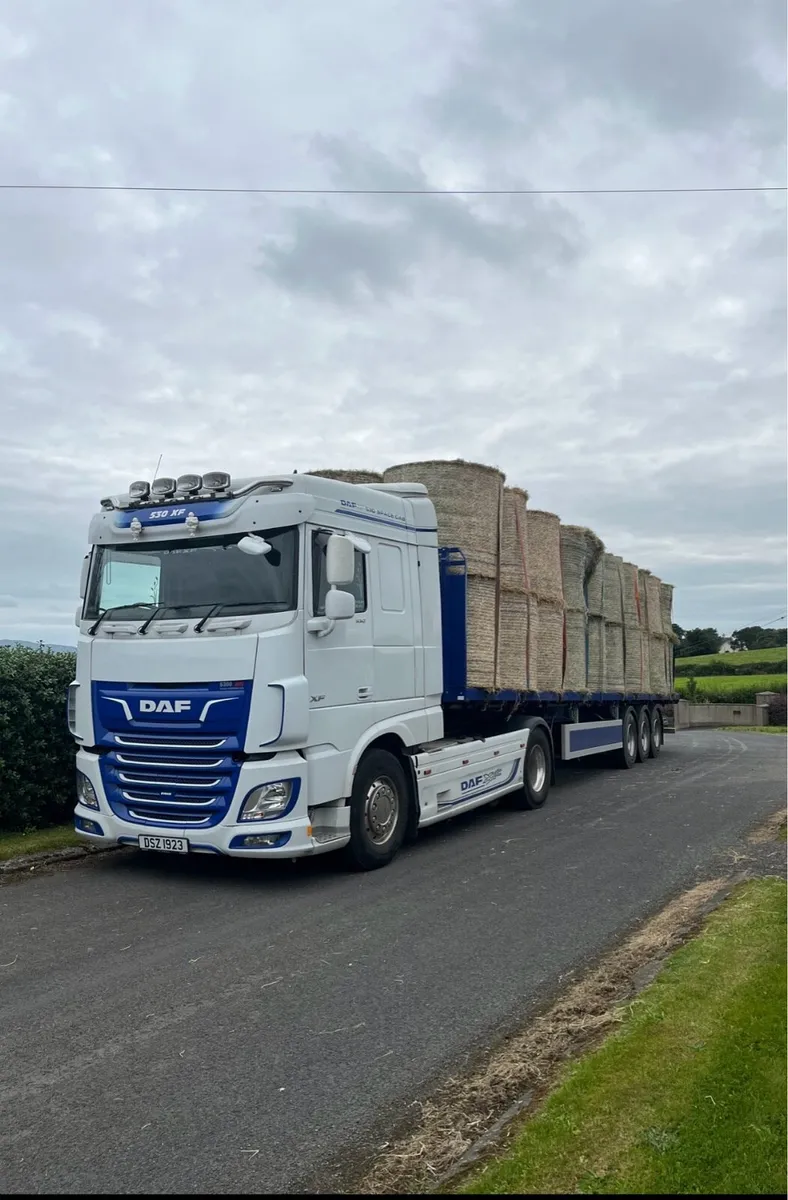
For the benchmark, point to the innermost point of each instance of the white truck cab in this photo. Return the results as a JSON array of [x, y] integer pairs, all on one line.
[[259, 672]]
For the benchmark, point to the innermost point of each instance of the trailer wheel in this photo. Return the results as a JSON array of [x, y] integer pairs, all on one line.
[[379, 807], [536, 772], [657, 731], [628, 754], [644, 735]]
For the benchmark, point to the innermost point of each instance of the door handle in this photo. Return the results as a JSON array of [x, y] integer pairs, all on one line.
[[364, 693]]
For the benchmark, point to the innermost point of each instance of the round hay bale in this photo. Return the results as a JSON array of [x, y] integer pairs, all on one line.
[[653, 604], [481, 617], [514, 540], [533, 642], [596, 654], [612, 598], [512, 672], [629, 593], [666, 610], [350, 476], [644, 651], [468, 499], [633, 658], [614, 656], [575, 668], [595, 588], [658, 647], [550, 663], [544, 549], [642, 604]]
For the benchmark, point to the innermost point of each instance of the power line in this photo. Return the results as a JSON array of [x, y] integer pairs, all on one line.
[[289, 191]]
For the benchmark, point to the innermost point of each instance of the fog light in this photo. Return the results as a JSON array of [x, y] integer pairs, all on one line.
[[86, 793], [267, 801], [86, 826], [260, 841]]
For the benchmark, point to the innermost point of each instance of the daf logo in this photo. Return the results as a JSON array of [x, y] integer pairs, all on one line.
[[165, 706]]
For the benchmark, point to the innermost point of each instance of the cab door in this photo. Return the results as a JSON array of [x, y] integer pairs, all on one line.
[[339, 664]]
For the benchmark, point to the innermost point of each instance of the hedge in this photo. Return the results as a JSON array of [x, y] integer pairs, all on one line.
[[36, 749], [683, 668], [729, 689]]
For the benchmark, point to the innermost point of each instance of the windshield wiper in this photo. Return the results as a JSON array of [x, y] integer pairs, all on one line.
[[214, 611], [163, 608], [116, 609]]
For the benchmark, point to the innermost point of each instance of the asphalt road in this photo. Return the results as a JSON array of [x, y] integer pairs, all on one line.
[[207, 1026]]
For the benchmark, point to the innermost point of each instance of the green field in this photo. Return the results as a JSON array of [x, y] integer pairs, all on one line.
[[731, 689], [689, 1098], [778, 654]]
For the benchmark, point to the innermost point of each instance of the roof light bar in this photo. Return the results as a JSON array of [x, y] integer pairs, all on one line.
[[163, 487]]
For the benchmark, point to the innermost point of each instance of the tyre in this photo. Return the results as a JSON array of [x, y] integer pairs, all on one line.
[[627, 756], [379, 808], [657, 731], [644, 735], [536, 772]]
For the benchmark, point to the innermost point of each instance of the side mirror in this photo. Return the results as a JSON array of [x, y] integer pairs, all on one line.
[[83, 576], [250, 543], [340, 606], [340, 561]]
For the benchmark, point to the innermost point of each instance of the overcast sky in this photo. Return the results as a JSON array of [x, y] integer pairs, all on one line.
[[620, 356]]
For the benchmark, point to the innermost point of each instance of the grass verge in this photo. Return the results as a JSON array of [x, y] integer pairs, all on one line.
[[59, 837], [690, 1096], [754, 728]]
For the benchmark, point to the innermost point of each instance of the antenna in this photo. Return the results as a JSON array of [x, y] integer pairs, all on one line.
[[158, 464]]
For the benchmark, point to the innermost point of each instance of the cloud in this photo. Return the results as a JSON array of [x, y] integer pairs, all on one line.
[[622, 356]]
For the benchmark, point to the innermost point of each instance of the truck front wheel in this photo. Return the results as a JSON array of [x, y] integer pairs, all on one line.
[[536, 772], [379, 806]]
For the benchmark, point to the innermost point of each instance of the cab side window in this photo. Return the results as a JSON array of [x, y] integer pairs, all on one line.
[[358, 588]]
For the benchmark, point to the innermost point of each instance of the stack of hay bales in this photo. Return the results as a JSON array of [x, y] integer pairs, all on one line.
[[614, 624], [634, 673], [657, 642], [544, 548], [643, 622], [666, 609], [468, 500], [595, 600], [580, 552], [517, 644], [350, 476]]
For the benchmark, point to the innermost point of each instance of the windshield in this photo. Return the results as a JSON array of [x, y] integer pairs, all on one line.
[[193, 577]]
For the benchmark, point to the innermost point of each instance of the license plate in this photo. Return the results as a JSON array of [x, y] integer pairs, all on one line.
[[150, 841]]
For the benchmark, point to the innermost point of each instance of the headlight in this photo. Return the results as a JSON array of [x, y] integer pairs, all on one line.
[[86, 793], [267, 801]]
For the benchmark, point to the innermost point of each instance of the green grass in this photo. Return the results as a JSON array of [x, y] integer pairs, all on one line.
[[690, 1096], [754, 728], [57, 838], [777, 654], [731, 689]]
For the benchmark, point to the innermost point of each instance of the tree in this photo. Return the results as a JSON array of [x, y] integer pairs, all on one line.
[[680, 634], [755, 637], [700, 641]]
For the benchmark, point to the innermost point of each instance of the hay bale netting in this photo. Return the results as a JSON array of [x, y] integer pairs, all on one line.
[[612, 608], [653, 604], [550, 657], [633, 659], [595, 588], [514, 540], [580, 552], [614, 656], [666, 611], [350, 476], [658, 648], [544, 551], [575, 672], [481, 632], [513, 630], [596, 653], [468, 499]]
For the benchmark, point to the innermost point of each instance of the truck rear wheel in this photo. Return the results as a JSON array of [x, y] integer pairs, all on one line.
[[657, 731], [628, 754], [644, 734], [379, 805], [536, 772]]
